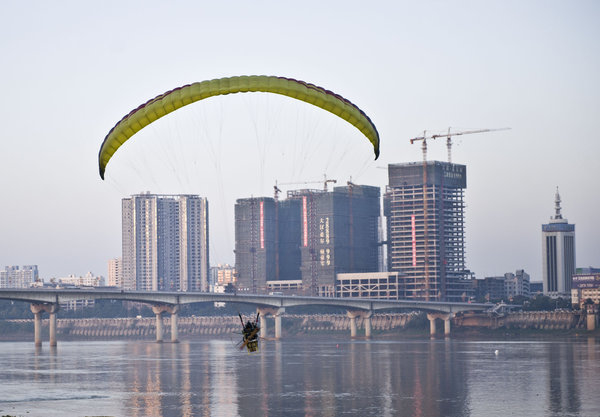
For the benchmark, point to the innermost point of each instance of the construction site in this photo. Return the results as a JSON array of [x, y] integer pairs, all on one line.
[[301, 244], [304, 241]]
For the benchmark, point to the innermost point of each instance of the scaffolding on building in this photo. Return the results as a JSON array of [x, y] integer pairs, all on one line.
[[429, 250]]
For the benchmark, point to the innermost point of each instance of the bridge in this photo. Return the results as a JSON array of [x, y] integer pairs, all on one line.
[[49, 300]]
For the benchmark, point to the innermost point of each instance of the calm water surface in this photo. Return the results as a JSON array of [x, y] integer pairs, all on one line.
[[303, 377]]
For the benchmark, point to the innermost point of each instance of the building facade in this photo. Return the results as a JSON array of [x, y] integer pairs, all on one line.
[[255, 246], [88, 280], [339, 234], [517, 284], [425, 212], [19, 277], [310, 237], [115, 272], [491, 288], [585, 287], [165, 243], [222, 274], [558, 254], [379, 285]]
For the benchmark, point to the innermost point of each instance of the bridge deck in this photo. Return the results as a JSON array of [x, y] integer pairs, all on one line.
[[57, 296]]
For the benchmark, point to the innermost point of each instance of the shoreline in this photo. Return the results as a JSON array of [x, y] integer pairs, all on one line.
[[385, 326]]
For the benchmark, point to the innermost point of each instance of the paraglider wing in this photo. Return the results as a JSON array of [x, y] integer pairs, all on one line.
[[174, 99]]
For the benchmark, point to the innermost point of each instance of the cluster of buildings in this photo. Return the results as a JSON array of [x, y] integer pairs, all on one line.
[[331, 243], [27, 276], [504, 287]]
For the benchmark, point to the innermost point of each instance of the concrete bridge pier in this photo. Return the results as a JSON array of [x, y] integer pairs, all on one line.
[[174, 330], [158, 310], [278, 316], [366, 316], [263, 325], [446, 317], [38, 309], [275, 312], [52, 309], [367, 321]]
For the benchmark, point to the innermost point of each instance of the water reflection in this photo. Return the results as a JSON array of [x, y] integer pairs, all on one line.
[[304, 377], [562, 386]]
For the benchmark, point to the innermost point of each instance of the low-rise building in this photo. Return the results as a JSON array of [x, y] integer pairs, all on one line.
[[19, 277], [584, 287], [381, 285], [535, 288], [285, 286], [88, 280], [491, 288], [517, 284], [222, 274]]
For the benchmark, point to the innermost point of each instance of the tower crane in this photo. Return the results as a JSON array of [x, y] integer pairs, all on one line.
[[276, 191], [424, 138], [448, 137], [324, 182]]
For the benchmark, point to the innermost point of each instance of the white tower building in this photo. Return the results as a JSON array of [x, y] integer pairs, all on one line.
[[558, 245]]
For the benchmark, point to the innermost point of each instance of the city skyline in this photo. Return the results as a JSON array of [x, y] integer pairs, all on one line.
[[411, 67]]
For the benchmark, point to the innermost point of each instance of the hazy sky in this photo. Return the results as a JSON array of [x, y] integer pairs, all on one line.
[[71, 70]]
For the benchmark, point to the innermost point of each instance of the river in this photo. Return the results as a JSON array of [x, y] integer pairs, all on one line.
[[303, 377]]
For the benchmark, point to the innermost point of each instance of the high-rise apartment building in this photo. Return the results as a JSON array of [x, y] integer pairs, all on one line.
[[311, 236], [165, 243], [558, 253], [425, 214]]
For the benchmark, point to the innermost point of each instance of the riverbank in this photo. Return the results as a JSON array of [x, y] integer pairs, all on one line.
[[408, 325], [190, 327]]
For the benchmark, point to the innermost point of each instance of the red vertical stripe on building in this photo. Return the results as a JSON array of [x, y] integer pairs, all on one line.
[[262, 224], [414, 240], [304, 222]]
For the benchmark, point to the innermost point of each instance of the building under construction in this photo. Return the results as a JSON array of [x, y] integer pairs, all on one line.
[[254, 243], [426, 229], [309, 237]]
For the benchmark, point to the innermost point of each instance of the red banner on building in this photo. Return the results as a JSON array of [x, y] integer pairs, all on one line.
[[262, 224], [414, 240], [304, 222]]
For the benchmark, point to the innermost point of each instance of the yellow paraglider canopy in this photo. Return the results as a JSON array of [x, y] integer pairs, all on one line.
[[174, 99]]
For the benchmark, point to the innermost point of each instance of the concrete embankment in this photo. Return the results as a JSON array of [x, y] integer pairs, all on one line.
[[292, 324], [542, 320], [188, 327]]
